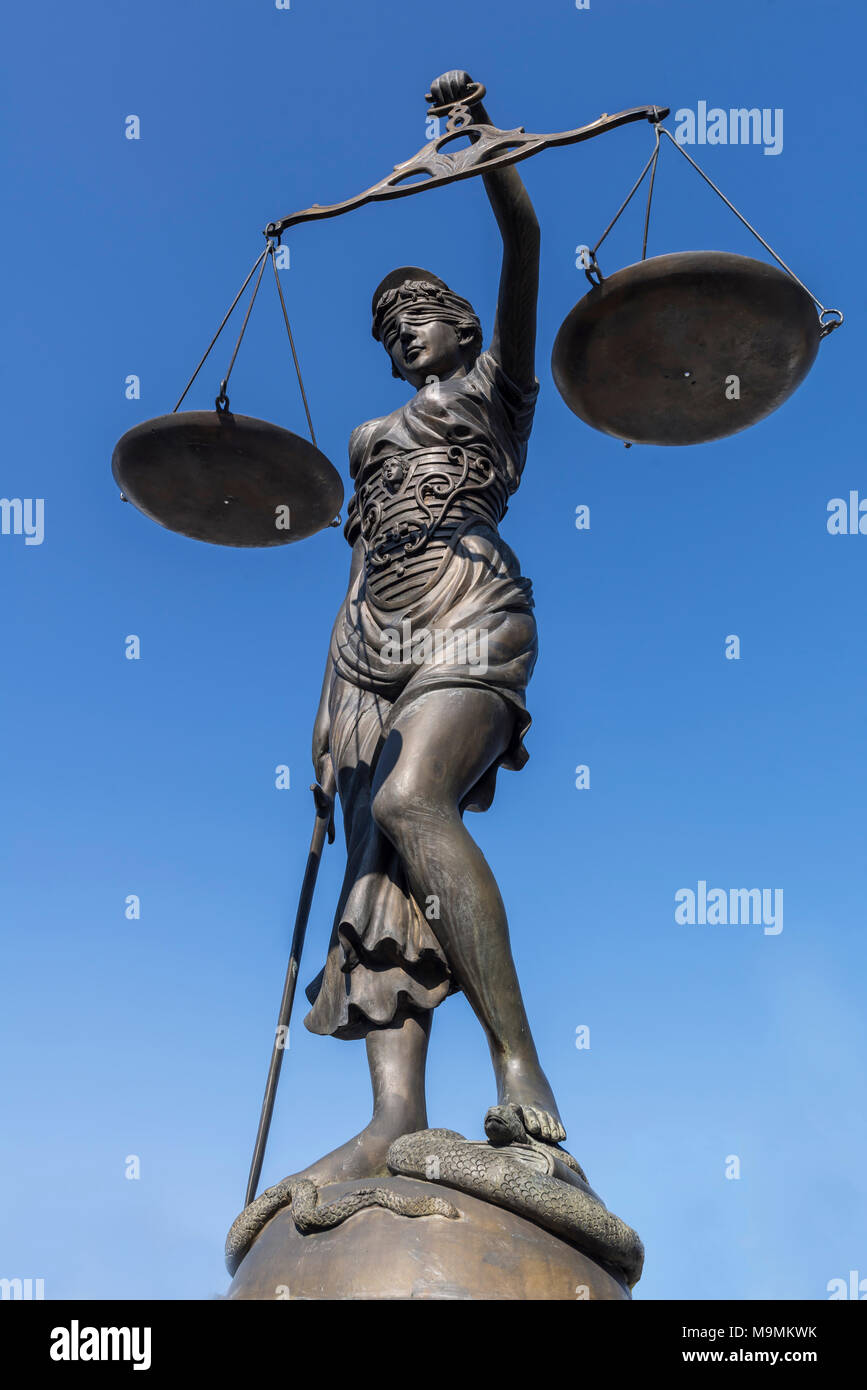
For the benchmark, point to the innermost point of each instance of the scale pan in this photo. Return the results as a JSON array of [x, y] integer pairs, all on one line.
[[649, 354], [221, 478]]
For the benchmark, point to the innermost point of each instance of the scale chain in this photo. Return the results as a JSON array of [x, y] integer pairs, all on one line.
[[660, 129], [220, 329], [826, 327], [291, 341], [222, 401]]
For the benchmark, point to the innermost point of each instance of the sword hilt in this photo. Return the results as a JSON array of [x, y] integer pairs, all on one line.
[[323, 797]]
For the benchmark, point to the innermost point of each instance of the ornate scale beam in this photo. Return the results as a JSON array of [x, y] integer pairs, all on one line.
[[489, 148]]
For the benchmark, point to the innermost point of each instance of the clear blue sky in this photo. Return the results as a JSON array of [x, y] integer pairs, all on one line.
[[156, 777]]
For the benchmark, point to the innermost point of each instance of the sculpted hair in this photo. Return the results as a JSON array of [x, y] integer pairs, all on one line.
[[437, 301]]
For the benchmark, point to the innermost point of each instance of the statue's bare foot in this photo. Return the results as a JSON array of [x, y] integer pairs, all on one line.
[[364, 1155], [524, 1088]]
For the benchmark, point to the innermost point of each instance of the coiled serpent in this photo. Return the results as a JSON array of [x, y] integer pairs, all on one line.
[[536, 1180], [308, 1215]]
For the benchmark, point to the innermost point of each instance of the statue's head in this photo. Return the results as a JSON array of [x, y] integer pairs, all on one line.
[[426, 329]]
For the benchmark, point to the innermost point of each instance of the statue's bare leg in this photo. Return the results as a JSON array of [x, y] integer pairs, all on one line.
[[396, 1057], [436, 752]]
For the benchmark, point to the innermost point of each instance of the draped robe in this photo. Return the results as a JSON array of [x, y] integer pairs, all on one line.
[[432, 480]]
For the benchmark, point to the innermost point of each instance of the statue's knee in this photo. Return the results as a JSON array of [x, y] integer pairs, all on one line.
[[391, 806], [400, 804]]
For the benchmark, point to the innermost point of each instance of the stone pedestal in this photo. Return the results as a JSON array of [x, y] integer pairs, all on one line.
[[486, 1253]]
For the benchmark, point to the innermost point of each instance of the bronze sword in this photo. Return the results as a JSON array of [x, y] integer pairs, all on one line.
[[323, 825]]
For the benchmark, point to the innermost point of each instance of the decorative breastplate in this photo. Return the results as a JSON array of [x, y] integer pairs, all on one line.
[[414, 505]]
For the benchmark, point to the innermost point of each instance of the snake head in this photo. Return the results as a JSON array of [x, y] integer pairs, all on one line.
[[503, 1126]]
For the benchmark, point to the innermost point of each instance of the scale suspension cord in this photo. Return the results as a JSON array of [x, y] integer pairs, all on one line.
[[222, 401], [593, 268], [623, 206], [826, 327], [270, 252], [655, 160], [220, 329]]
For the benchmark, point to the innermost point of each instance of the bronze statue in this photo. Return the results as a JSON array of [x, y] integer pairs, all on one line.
[[415, 737], [423, 700]]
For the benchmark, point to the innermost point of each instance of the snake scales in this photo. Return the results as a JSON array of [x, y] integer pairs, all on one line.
[[308, 1215], [525, 1178], [538, 1181]]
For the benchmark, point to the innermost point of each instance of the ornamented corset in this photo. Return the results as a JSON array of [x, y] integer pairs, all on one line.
[[412, 510]]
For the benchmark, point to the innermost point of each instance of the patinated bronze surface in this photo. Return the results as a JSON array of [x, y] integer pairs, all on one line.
[[416, 742], [423, 701], [535, 1180], [228, 479], [469, 145], [685, 348], [485, 1252]]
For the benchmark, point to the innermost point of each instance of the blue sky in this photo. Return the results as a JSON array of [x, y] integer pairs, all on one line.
[[156, 777]]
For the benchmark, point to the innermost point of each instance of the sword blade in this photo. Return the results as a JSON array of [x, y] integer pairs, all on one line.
[[323, 825]]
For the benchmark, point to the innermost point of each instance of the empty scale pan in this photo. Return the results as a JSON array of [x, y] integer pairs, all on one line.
[[227, 479], [685, 348]]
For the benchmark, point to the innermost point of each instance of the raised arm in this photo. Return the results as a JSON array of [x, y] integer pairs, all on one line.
[[514, 338]]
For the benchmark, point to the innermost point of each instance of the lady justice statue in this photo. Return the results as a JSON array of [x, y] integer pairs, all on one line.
[[416, 729], [423, 700]]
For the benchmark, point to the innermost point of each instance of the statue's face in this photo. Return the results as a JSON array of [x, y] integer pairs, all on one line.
[[421, 347]]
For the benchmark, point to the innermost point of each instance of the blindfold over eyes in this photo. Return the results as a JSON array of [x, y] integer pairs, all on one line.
[[419, 302]]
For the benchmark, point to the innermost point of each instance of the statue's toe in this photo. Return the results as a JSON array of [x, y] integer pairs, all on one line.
[[514, 1124]]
